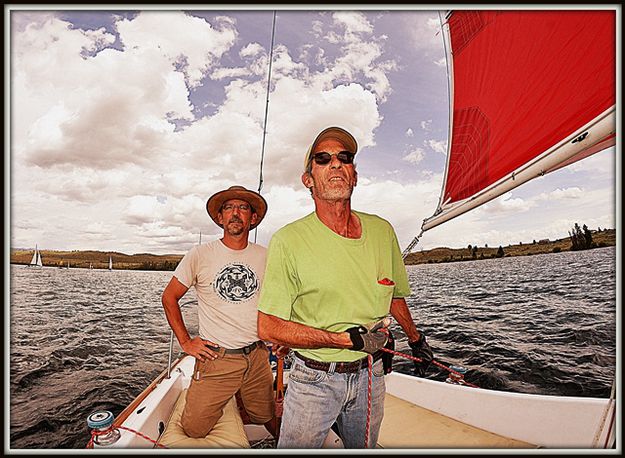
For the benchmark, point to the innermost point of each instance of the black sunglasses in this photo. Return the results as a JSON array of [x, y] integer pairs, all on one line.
[[324, 158]]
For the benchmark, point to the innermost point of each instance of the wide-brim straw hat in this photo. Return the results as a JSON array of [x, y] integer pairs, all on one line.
[[216, 201], [338, 133]]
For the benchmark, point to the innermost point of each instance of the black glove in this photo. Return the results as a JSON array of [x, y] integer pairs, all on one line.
[[387, 358], [367, 339], [421, 349]]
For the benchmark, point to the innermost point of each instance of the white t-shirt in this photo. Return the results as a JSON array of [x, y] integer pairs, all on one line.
[[227, 284]]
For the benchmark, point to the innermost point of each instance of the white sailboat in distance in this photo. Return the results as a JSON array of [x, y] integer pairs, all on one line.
[[110, 263], [36, 260]]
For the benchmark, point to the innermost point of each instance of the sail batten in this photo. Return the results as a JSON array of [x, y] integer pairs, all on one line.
[[531, 92]]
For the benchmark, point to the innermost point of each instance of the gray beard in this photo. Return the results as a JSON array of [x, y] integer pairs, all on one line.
[[335, 194]]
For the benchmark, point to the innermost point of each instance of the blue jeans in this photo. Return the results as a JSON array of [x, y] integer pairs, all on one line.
[[315, 399]]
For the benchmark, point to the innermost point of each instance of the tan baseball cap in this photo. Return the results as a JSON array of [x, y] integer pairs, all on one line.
[[216, 201], [337, 133]]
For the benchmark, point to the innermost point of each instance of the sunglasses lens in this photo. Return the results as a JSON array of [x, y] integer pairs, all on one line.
[[322, 158], [345, 157]]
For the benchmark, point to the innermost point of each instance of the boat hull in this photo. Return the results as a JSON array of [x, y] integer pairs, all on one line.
[[518, 420]]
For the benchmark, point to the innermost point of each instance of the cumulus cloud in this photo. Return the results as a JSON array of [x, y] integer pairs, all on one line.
[[507, 204], [101, 123], [361, 53], [104, 130], [415, 156], [558, 194], [425, 30], [440, 146], [190, 42]]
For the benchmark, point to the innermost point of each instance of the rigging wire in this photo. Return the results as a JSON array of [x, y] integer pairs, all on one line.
[[262, 151]]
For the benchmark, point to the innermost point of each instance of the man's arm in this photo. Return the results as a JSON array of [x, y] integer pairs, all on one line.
[[399, 310], [196, 346], [416, 340], [291, 334]]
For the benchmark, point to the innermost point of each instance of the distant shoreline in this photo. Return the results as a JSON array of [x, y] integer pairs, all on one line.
[[168, 262], [605, 238]]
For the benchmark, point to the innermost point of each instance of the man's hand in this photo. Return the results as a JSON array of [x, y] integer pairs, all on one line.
[[199, 348], [369, 338], [280, 350], [421, 349]]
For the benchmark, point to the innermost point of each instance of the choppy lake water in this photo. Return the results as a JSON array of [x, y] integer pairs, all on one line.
[[84, 340]]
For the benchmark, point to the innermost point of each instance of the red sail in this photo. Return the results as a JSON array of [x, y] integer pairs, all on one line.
[[528, 87]]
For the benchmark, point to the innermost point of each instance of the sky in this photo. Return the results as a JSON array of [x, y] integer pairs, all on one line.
[[123, 123]]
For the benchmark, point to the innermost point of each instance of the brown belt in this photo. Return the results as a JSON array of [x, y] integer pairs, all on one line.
[[243, 350], [341, 367]]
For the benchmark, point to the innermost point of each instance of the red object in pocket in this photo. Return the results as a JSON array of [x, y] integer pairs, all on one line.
[[386, 281]]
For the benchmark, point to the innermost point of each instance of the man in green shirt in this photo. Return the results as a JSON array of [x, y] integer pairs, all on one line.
[[331, 280]]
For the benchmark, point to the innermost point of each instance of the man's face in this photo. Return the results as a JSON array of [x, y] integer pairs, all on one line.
[[335, 180], [236, 216]]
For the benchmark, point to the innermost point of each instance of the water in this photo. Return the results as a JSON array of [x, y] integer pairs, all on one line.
[[86, 340]]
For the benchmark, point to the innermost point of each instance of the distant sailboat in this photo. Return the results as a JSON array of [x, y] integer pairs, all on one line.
[[36, 260], [110, 263], [90, 265]]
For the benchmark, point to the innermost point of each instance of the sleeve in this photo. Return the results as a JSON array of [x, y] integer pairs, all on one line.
[[280, 285], [402, 286], [186, 270]]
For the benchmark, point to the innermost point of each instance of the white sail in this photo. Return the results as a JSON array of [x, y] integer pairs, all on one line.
[[36, 259], [33, 261], [110, 263]]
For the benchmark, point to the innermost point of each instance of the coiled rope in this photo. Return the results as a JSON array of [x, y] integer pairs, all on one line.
[[95, 433]]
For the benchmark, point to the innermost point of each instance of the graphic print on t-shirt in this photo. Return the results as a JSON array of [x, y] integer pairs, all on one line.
[[236, 283]]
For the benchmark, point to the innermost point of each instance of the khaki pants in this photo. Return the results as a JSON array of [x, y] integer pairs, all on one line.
[[215, 382]]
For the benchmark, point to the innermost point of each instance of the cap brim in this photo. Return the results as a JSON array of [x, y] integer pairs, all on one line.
[[336, 133]]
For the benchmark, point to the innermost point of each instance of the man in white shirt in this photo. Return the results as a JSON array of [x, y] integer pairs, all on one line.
[[227, 275]]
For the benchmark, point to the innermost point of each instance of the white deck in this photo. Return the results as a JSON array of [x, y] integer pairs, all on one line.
[[406, 425]]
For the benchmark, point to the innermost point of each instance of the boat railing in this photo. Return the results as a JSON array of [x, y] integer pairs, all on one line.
[[171, 338]]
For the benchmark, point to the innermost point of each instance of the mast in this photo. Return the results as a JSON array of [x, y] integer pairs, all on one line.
[[262, 150]]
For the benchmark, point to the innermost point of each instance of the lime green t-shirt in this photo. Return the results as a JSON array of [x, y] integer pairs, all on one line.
[[318, 278]]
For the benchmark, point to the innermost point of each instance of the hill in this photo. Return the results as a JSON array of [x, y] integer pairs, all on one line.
[[146, 261], [606, 237], [99, 259]]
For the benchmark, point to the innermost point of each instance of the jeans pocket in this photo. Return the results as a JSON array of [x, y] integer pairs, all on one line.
[[378, 368], [302, 374]]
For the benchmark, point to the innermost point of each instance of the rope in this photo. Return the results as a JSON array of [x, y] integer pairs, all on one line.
[[279, 390], [369, 382], [436, 363], [95, 433]]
